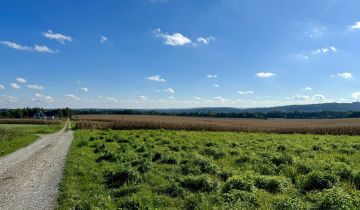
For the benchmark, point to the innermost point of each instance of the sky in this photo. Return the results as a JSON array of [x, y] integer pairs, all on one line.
[[178, 53]]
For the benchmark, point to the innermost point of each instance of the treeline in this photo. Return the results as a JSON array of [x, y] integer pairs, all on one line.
[[30, 112], [256, 115]]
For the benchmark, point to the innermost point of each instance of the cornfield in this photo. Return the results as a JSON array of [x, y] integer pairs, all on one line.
[[284, 126]]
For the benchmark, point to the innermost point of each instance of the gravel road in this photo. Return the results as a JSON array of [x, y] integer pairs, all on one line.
[[30, 177]]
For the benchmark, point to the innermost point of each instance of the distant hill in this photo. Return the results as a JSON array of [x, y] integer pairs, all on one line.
[[335, 107]]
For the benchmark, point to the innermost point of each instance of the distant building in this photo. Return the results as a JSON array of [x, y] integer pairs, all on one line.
[[42, 115]]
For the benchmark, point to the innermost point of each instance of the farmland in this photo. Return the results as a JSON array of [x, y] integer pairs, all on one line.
[[285, 126], [167, 169], [14, 136]]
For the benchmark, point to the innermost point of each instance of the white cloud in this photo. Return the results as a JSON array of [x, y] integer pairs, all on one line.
[[247, 92], [35, 87], [36, 48], [316, 32], [2, 87], [21, 80], [219, 99], [324, 50], [308, 89], [176, 39], [265, 74], [15, 86], [302, 57], [211, 76], [205, 40], [216, 85], [345, 75], [197, 98], [57, 36], [156, 78], [103, 39], [72, 96], [169, 90], [301, 98], [142, 98], [171, 97], [84, 89], [356, 26], [109, 99], [318, 97], [356, 95], [11, 99], [42, 98]]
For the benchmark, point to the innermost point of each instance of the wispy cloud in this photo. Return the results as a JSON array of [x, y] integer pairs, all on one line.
[[265, 74], [205, 40], [156, 78], [35, 87], [324, 50], [316, 32], [57, 36], [143, 98], [42, 98], [84, 89], [319, 97], [2, 87], [308, 89], [197, 98], [247, 92], [169, 90], [36, 48], [14, 85], [175, 39], [356, 26], [219, 99], [211, 76], [216, 85], [345, 75], [21, 80], [72, 96], [355, 95], [103, 39]]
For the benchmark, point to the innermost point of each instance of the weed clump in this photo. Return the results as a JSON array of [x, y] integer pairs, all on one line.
[[237, 199], [287, 203], [318, 181], [120, 177], [216, 154], [356, 180], [238, 183], [335, 198], [282, 159], [242, 160], [200, 183], [198, 166], [174, 190], [272, 184], [107, 156]]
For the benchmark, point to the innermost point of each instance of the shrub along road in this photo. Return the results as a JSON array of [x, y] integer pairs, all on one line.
[[30, 177]]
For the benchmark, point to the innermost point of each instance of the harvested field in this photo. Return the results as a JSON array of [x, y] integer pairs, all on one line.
[[285, 126], [30, 121]]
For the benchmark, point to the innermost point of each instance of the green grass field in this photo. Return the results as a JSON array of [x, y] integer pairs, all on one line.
[[161, 169], [13, 137]]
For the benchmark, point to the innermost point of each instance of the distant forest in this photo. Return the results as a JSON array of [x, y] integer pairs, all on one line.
[[29, 113]]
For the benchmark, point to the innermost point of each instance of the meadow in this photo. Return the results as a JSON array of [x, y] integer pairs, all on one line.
[[167, 169], [14, 136], [284, 126]]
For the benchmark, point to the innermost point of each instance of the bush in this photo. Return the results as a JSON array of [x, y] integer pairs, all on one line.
[[241, 199], [335, 198], [122, 176], [318, 181], [356, 180], [193, 202], [216, 154], [302, 168], [282, 159], [242, 160], [174, 190], [201, 183], [238, 183], [271, 184], [198, 166], [287, 203]]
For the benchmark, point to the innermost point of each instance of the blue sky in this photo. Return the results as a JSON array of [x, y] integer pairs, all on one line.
[[178, 53]]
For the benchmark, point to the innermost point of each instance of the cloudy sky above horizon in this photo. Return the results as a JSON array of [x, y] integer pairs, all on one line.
[[178, 53]]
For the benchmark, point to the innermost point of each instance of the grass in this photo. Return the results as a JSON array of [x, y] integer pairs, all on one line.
[[159, 169], [13, 137], [284, 126]]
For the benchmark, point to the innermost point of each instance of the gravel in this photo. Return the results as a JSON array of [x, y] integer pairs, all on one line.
[[30, 177]]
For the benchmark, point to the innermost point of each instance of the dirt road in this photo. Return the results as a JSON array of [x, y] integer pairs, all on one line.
[[30, 177]]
